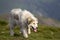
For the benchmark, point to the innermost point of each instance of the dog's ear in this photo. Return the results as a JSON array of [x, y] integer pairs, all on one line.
[[29, 20]]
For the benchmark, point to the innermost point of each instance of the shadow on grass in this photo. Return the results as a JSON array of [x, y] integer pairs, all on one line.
[[17, 35]]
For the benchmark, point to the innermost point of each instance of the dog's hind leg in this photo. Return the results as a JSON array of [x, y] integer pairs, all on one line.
[[11, 25]]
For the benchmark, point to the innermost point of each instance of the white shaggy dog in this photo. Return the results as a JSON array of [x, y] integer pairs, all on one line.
[[24, 19]]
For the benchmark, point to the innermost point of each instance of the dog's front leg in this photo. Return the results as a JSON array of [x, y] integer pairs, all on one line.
[[25, 33], [29, 31], [24, 30]]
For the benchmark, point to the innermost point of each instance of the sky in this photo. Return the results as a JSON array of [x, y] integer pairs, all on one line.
[[6, 5], [50, 8]]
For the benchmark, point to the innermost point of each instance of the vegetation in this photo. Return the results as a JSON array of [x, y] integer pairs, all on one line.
[[2, 22], [44, 33]]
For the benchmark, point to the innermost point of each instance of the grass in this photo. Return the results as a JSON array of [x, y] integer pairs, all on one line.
[[44, 33]]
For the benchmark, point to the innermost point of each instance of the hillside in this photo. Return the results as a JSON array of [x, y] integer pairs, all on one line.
[[45, 32], [47, 12]]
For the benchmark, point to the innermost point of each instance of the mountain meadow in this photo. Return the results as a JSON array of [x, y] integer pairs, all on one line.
[[47, 12], [45, 32]]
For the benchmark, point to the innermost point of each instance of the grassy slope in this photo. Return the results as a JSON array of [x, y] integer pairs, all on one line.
[[44, 33]]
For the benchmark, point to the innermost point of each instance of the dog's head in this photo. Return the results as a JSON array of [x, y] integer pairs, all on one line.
[[33, 24]]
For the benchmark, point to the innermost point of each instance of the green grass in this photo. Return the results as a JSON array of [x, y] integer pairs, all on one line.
[[44, 33]]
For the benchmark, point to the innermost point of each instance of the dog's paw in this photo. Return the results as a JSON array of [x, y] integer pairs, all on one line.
[[25, 36]]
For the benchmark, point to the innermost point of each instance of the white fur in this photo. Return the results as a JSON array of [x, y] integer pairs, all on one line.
[[24, 18]]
